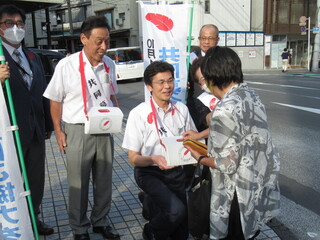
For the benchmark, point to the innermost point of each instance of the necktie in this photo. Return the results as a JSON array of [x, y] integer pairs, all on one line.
[[22, 70]]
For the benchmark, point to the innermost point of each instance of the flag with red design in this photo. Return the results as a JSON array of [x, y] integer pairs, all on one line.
[[165, 32]]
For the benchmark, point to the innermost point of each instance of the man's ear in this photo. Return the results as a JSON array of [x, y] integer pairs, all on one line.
[[83, 39], [150, 88]]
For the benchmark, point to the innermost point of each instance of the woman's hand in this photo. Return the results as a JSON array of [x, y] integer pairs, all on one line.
[[191, 134], [196, 135], [194, 153]]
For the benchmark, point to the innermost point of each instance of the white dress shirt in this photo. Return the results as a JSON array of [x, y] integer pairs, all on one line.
[[65, 86], [141, 132]]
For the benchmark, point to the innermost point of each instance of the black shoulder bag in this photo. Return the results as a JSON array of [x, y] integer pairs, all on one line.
[[199, 197]]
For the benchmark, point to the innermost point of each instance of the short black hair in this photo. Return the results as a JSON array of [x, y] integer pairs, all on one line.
[[285, 49], [11, 9], [221, 66], [94, 22], [155, 68], [194, 67]]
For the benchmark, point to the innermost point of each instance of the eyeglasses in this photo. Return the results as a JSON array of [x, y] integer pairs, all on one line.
[[210, 39], [10, 23], [161, 82]]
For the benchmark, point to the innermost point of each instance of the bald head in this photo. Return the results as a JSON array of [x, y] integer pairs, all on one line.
[[208, 36]]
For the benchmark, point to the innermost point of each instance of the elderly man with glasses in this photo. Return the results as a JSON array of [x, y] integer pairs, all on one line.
[[208, 37]]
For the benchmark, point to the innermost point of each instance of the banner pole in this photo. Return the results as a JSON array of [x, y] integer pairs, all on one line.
[[189, 41], [19, 148]]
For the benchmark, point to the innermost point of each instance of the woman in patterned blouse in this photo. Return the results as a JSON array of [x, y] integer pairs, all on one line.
[[243, 161]]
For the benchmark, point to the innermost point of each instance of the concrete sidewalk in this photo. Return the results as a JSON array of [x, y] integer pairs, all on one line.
[[125, 214], [292, 71]]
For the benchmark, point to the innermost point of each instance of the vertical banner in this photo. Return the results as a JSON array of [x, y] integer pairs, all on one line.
[[14, 214], [165, 33]]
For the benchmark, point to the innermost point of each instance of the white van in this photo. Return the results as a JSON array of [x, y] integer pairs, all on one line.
[[128, 61]]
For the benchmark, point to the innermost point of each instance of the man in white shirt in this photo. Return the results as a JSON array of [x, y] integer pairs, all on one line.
[[71, 93], [147, 124]]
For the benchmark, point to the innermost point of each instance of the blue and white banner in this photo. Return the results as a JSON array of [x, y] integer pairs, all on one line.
[[165, 32], [15, 222]]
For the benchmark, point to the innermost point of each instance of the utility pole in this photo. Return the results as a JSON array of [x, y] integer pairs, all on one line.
[[315, 59], [48, 30], [71, 27], [309, 30], [304, 30]]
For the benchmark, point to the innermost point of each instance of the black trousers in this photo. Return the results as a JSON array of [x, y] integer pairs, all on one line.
[[235, 228], [168, 203], [34, 158]]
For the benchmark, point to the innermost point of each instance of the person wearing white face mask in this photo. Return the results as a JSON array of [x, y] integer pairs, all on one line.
[[14, 35], [206, 101], [27, 82]]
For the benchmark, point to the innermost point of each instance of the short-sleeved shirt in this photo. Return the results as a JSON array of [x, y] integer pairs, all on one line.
[[141, 132], [245, 161], [65, 86], [285, 55]]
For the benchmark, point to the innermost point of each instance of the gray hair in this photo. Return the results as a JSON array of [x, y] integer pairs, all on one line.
[[210, 26]]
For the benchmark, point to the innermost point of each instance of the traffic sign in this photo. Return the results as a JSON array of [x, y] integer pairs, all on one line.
[[302, 19], [303, 29], [316, 29]]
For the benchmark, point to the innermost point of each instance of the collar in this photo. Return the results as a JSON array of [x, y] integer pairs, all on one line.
[[86, 60], [10, 49], [236, 88], [159, 108]]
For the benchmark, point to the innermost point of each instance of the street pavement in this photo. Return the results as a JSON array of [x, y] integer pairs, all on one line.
[[125, 214]]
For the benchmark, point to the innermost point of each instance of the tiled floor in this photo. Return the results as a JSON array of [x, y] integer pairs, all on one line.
[[125, 214]]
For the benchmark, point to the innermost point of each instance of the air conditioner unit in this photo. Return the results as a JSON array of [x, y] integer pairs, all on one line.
[[119, 22]]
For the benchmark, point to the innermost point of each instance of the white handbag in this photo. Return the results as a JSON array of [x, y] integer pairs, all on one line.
[[103, 120], [99, 120]]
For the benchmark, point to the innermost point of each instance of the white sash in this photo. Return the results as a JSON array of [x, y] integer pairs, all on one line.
[[100, 118], [208, 100], [94, 87]]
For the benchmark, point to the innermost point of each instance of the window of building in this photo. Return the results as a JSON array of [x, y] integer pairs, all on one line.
[[279, 38], [122, 16], [283, 14], [207, 6], [109, 16]]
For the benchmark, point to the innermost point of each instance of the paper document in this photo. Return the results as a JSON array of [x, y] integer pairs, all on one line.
[[175, 153]]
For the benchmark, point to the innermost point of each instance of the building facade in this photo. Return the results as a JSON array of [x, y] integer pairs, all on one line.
[[257, 30], [281, 25]]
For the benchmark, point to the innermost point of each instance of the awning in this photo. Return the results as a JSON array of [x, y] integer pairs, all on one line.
[[32, 5]]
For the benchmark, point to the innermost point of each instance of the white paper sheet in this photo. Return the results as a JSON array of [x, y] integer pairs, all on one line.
[[176, 154]]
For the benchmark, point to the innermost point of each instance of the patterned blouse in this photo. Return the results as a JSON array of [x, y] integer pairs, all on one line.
[[246, 162]]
